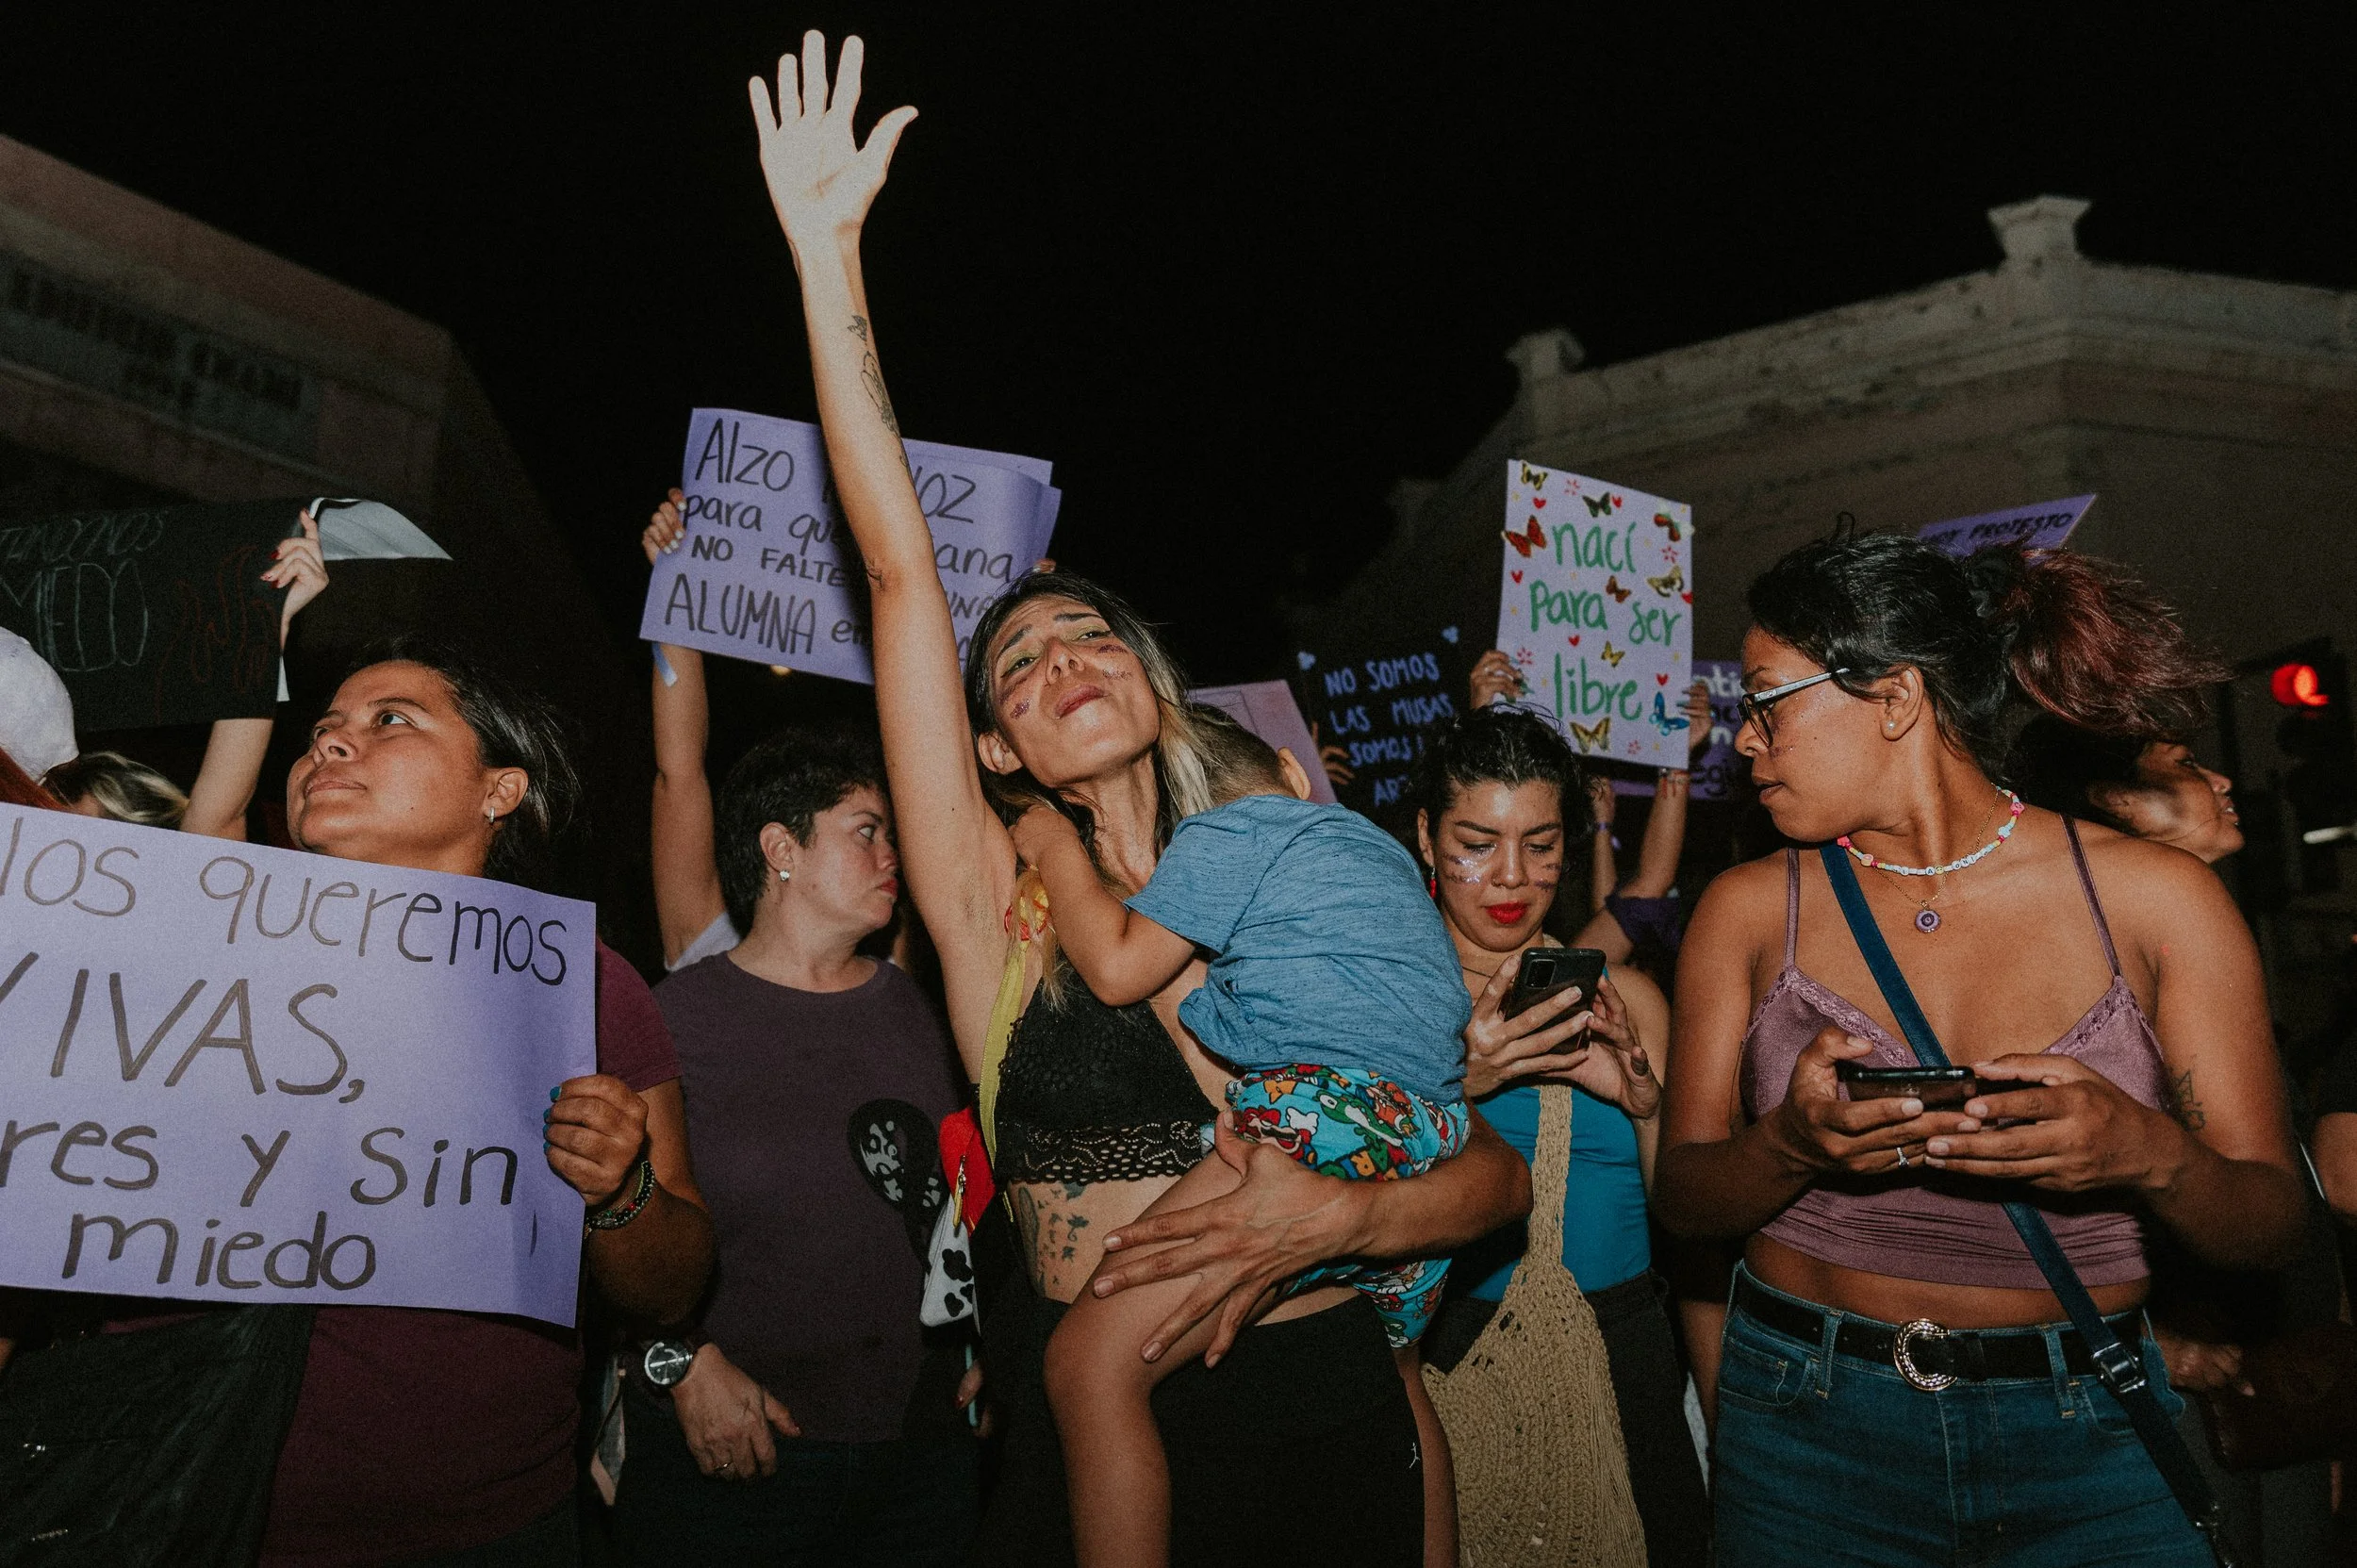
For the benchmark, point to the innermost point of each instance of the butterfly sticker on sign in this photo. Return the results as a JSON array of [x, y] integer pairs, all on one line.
[[1596, 607]]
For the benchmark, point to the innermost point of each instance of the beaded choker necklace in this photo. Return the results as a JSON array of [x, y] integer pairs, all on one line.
[[1927, 920]]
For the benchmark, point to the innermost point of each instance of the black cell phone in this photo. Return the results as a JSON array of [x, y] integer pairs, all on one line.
[[1550, 971], [1938, 1088]]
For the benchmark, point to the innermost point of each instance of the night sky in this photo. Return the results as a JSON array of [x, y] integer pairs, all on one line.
[[1233, 272]]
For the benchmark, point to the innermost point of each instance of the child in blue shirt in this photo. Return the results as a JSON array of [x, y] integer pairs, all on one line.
[[1333, 990]]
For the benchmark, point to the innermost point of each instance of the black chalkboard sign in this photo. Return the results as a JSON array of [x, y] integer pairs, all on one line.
[[152, 616], [1379, 709]]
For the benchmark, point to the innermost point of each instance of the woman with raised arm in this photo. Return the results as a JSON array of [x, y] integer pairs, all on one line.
[[1895, 1354], [420, 1434], [1094, 1110]]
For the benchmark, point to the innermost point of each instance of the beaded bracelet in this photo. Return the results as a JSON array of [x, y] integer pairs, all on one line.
[[616, 1214]]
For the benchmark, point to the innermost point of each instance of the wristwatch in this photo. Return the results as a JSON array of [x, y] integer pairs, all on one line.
[[666, 1362]]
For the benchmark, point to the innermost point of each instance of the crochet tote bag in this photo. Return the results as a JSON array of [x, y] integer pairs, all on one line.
[[1542, 1473]]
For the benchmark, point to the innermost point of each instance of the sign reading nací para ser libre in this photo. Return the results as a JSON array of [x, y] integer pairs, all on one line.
[[768, 570], [233, 1073], [1596, 608]]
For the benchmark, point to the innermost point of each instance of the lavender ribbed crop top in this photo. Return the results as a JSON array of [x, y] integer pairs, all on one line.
[[1931, 1225]]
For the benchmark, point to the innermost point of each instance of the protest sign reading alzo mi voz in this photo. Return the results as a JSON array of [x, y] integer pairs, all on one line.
[[234, 1073]]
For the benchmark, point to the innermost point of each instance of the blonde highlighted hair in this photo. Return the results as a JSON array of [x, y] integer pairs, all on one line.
[[1182, 785]]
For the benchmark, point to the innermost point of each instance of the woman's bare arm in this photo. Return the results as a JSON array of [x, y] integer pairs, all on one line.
[[1122, 956], [235, 751], [655, 1268], [1285, 1219], [687, 896], [960, 862], [1716, 1176]]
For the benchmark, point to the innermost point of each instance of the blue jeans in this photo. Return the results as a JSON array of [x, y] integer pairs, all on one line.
[[1828, 1459]]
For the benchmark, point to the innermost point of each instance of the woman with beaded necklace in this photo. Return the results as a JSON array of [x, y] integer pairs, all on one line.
[[1894, 1355]]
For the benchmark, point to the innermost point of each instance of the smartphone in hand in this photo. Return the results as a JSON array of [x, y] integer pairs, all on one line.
[[1550, 972], [1938, 1088]]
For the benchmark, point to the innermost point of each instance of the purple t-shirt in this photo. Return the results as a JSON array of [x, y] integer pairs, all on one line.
[[812, 1117]]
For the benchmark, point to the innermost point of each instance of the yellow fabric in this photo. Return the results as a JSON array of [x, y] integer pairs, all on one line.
[[1026, 921], [1542, 1471]]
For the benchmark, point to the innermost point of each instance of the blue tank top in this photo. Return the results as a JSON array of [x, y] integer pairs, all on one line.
[[1604, 1238]]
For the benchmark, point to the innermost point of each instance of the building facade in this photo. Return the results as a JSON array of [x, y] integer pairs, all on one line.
[[147, 357], [2215, 419]]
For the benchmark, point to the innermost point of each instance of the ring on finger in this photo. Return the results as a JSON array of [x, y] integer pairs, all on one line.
[[1901, 1152]]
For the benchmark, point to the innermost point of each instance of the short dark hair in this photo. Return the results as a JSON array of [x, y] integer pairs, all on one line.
[[1236, 762], [1499, 744], [789, 778], [2001, 634], [513, 727]]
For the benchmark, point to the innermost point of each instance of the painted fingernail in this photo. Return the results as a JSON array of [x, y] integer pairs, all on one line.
[[557, 1093]]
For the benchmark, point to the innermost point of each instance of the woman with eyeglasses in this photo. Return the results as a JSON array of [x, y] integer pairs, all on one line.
[[1894, 1359]]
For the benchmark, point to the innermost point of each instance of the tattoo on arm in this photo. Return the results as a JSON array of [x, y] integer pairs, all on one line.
[[859, 326], [872, 373], [2184, 1106]]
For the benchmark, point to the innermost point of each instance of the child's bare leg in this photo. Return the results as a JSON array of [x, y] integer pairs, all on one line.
[[1440, 1470], [1099, 1386]]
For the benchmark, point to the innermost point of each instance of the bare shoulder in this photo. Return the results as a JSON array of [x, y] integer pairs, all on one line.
[[2154, 893], [1745, 897]]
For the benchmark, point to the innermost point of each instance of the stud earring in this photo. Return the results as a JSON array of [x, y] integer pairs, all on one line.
[[784, 875]]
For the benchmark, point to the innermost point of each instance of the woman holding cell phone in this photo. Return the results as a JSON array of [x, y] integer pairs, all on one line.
[[1894, 1340]]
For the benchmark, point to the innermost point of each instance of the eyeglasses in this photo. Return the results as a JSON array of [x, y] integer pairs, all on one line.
[[1752, 707]]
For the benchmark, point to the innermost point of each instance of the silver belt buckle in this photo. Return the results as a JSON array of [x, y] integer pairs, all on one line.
[[1903, 1358]]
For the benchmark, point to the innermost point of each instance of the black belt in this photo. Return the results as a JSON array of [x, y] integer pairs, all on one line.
[[1927, 1355]]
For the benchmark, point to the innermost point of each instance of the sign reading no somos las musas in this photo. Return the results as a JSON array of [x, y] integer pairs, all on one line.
[[1596, 607], [234, 1073]]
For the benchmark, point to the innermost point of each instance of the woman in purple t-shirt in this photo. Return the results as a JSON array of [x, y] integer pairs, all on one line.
[[818, 1414], [424, 1437]]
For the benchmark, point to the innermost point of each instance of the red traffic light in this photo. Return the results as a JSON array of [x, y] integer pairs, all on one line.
[[2298, 685]]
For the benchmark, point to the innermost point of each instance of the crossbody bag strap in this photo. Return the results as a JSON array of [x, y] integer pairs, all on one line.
[[2117, 1365]]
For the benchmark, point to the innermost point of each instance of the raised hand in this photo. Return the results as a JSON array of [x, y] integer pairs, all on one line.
[[301, 570], [820, 179], [1698, 719], [663, 528], [1495, 680]]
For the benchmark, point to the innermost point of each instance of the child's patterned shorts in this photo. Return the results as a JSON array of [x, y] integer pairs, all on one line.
[[1347, 1122]]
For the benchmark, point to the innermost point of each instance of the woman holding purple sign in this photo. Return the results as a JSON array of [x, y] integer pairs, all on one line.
[[1094, 1110], [425, 1437]]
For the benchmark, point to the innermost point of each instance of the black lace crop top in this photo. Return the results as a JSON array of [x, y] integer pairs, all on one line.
[[1090, 1093]]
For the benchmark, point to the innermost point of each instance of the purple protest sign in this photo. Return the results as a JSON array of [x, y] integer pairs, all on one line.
[[1719, 769], [238, 1074], [2043, 526], [768, 572], [1268, 710]]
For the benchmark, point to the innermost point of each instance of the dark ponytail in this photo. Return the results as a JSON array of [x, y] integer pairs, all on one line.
[[2093, 646], [1997, 637]]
